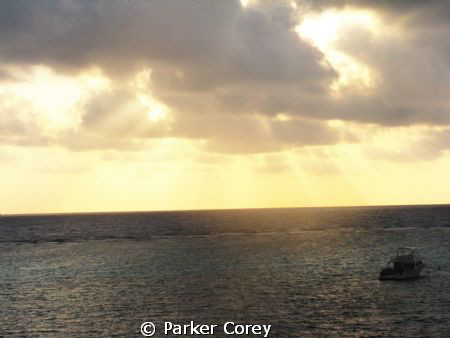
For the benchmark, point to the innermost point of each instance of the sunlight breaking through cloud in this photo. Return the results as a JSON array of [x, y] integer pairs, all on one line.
[[325, 29]]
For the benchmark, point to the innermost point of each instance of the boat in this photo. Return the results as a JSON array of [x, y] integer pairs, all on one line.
[[406, 264]]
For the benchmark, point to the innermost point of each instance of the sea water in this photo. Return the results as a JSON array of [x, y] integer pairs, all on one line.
[[304, 271]]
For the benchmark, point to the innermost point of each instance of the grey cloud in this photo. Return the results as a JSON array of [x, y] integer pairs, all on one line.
[[219, 40], [119, 114], [397, 6], [252, 134], [226, 71], [303, 133], [116, 119], [5, 75], [18, 125], [236, 60], [415, 83], [413, 63], [436, 142], [425, 20], [206, 58]]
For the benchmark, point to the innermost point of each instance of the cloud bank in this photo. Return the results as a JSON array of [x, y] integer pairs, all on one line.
[[238, 78]]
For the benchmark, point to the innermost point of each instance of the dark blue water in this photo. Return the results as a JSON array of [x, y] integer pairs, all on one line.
[[307, 272]]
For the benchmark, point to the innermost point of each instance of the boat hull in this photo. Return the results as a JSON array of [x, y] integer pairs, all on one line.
[[405, 275]]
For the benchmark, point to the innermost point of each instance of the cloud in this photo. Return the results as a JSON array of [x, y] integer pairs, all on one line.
[[425, 145], [226, 72], [388, 6], [17, 125], [415, 80], [219, 41], [120, 115]]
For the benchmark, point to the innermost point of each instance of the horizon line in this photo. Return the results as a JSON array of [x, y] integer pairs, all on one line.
[[216, 209]]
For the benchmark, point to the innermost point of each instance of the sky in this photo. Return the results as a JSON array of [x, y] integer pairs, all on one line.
[[200, 104]]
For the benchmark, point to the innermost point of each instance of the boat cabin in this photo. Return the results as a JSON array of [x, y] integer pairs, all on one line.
[[405, 264]]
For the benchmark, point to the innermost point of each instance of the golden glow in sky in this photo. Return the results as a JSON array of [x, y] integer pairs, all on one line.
[[252, 104], [52, 99]]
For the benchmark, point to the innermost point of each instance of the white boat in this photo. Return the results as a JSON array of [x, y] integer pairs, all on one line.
[[406, 264]]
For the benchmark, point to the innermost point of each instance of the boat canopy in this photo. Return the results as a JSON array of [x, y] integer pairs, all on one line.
[[406, 254], [405, 251]]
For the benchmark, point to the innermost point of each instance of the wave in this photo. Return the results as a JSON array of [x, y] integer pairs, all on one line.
[[245, 233]]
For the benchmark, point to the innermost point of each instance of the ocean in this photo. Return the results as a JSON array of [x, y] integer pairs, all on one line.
[[307, 272]]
